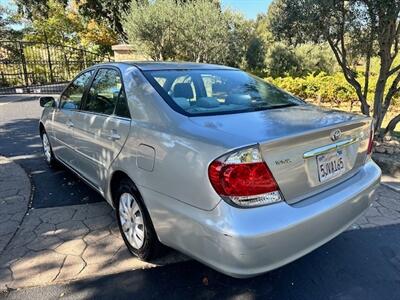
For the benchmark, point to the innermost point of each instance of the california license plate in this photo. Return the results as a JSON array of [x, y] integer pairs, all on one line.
[[330, 165]]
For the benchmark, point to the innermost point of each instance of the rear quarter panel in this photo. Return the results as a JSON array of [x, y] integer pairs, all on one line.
[[182, 149]]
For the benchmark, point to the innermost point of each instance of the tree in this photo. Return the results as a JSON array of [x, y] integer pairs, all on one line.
[[315, 58], [97, 37], [103, 16], [206, 34], [6, 20], [259, 43], [56, 26], [107, 11], [255, 54], [36, 8], [354, 30], [281, 60], [241, 32], [188, 30], [152, 28], [59, 22], [3, 20]]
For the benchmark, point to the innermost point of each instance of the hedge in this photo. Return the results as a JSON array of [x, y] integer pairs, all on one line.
[[325, 89], [321, 88]]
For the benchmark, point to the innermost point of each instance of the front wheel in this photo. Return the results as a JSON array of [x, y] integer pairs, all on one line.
[[47, 150], [134, 222]]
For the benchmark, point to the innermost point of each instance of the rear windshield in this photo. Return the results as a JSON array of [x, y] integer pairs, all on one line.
[[211, 92]]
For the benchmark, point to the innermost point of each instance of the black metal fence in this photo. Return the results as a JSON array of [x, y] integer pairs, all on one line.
[[32, 67]]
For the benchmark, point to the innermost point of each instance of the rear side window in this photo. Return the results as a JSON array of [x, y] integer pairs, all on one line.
[[72, 96], [105, 92]]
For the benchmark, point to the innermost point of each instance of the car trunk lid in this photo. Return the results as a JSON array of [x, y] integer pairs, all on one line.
[[311, 162], [296, 141]]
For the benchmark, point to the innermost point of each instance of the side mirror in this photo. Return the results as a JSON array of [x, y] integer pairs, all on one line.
[[47, 101]]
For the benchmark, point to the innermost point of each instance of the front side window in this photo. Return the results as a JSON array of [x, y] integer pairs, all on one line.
[[104, 93], [72, 96], [205, 92]]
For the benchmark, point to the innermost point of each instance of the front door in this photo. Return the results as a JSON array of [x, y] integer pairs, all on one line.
[[63, 118], [102, 126]]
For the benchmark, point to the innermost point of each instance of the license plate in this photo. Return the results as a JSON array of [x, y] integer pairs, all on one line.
[[330, 165]]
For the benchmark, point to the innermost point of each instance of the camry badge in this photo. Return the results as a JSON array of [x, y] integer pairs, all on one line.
[[336, 134]]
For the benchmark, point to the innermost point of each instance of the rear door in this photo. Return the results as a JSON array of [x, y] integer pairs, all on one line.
[[102, 125], [63, 118]]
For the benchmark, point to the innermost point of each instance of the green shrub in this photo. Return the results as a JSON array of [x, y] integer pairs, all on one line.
[[321, 88]]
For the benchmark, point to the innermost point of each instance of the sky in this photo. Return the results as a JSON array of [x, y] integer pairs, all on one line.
[[250, 8]]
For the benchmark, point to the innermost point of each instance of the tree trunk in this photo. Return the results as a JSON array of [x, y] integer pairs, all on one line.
[[386, 62], [392, 125], [378, 99]]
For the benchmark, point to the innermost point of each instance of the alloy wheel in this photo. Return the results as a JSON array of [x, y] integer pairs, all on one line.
[[46, 148], [131, 219]]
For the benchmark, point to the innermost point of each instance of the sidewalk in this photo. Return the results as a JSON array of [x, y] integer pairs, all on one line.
[[15, 190], [72, 242], [68, 243], [42, 246]]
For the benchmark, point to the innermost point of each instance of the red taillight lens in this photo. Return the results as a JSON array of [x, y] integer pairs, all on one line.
[[246, 184], [246, 179]]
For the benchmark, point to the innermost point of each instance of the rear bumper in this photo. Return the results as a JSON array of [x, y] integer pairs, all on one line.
[[248, 242]]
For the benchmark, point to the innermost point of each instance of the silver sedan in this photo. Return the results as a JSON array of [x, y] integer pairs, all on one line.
[[212, 161]]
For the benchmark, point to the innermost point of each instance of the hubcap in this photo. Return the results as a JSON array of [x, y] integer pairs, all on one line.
[[131, 218], [46, 148]]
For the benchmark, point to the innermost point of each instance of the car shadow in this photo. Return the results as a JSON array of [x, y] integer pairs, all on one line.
[[20, 141], [359, 264]]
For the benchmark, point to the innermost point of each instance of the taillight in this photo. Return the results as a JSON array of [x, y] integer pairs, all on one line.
[[243, 178]]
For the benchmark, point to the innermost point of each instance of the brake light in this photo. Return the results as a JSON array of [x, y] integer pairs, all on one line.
[[244, 179]]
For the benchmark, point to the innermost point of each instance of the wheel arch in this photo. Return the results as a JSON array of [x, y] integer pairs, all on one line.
[[41, 128], [116, 177]]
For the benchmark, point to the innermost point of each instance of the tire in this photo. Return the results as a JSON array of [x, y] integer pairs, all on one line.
[[47, 150], [138, 233]]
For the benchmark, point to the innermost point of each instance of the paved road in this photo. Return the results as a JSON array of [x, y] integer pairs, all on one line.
[[361, 264], [19, 139]]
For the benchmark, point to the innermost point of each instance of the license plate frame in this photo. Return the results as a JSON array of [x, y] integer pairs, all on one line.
[[330, 165]]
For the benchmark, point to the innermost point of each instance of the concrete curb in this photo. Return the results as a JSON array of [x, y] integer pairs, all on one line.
[[391, 182]]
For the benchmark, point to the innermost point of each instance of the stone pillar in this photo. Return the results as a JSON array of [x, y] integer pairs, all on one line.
[[128, 52]]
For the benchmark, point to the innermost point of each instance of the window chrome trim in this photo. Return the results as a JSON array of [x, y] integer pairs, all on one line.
[[103, 115]]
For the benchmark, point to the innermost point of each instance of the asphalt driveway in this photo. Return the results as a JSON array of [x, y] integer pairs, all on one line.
[[19, 138], [361, 264]]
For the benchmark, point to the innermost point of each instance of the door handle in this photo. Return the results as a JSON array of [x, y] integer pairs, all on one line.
[[69, 124], [114, 136]]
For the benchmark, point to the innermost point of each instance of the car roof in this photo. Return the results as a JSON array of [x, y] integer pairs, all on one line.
[[155, 65]]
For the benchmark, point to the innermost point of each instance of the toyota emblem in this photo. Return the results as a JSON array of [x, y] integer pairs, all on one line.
[[336, 134]]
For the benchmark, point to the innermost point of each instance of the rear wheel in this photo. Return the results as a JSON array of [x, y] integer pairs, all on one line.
[[47, 150], [134, 222]]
